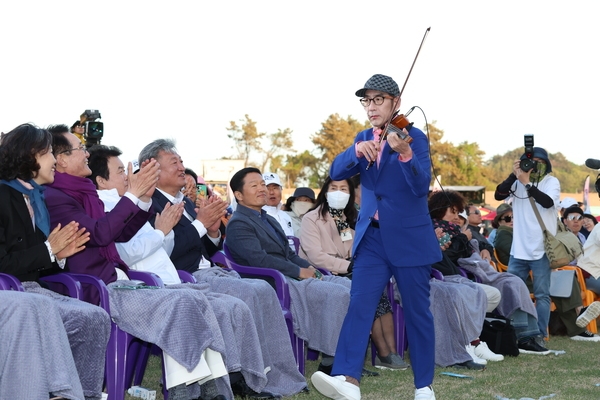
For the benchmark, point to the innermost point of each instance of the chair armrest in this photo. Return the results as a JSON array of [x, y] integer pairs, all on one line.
[[96, 284], [9, 282], [149, 278], [324, 271], [437, 274], [59, 282], [186, 277], [281, 286]]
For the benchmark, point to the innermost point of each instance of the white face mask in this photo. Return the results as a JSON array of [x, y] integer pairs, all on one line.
[[338, 200], [301, 207]]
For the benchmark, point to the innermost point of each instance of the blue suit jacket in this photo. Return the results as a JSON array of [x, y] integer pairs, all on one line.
[[253, 243], [398, 190]]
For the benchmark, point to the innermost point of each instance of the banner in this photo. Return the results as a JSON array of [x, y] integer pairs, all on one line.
[[586, 195]]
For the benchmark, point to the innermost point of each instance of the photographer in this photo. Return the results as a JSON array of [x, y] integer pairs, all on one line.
[[527, 250]]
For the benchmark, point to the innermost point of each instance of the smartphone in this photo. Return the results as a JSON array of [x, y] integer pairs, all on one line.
[[201, 190]]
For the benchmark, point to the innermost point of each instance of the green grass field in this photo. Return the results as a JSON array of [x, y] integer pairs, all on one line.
[[570, 376]]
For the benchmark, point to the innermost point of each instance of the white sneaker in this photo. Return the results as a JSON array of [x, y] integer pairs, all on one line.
[[336, 387], [425, 393], [586, 336], [471, 350], [483, 351], [591, 313]]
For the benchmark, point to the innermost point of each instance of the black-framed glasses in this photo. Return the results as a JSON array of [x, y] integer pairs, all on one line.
[[506, 218], [378, 100], [82, 148], [574, 217]]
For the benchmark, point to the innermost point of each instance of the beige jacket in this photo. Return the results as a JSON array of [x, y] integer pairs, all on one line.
[[590, 260], [321, 244]]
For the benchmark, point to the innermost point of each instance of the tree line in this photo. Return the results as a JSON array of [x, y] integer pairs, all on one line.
[[458, 165]]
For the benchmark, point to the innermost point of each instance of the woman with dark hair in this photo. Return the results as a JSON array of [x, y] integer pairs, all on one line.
[[326, 241], [514, 302], [28, 249]]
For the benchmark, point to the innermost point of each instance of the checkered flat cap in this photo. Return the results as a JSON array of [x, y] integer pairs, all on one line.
[[382, 83]]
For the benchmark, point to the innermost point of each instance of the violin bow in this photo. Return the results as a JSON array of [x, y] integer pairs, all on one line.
[[383, 135]]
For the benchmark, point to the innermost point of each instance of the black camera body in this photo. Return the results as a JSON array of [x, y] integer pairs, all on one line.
[[94, 130], [528, 163]]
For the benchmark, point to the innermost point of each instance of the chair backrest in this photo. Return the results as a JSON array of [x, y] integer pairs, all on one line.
[[296, 241], [499, 266]]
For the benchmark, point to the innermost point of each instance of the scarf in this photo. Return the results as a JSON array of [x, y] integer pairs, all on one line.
[[84, 192], [337, 215], [36, 201], [450, 227]]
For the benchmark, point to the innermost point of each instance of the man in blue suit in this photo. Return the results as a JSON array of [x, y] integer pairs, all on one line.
[[394, 236]]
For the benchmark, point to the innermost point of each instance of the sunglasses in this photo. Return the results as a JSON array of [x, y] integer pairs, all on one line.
[[574, 217], [507, 218], [476, 212]]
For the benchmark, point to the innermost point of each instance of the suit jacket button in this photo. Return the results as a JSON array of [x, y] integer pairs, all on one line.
[[19, 239], [378, 198]]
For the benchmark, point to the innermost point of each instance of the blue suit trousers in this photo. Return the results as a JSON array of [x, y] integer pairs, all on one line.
[[371, 273]]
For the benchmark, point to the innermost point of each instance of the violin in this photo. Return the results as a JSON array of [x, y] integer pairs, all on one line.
[[399, 122], [397, 125]]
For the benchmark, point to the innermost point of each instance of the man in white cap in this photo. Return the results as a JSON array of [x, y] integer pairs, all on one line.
[[273, 207]]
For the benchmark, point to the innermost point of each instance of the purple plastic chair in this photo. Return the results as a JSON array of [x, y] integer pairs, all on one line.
[[277, 279], [9, 282], [123, 351], [296, 241]]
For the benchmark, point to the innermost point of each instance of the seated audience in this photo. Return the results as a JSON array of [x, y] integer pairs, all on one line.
[[319, 303], [570, 308], [273, 207], [486, 250], [72, 196], [515, 302], [197, 238], [589, 221], [149, 251], [30, 248], [297, 205], [326, 242], [590, 263], [503, 240]]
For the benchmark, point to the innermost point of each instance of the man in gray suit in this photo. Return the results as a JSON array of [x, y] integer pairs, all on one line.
[[319, 304]]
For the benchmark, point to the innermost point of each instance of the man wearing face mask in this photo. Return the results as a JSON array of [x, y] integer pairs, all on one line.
[[394, 236], [299, 204], [527, 250]]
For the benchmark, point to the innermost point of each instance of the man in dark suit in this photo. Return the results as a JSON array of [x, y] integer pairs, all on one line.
[[197, 238], [319, 303], [394, 236]]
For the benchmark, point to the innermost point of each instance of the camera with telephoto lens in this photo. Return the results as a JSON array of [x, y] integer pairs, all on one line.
[[528, 163]]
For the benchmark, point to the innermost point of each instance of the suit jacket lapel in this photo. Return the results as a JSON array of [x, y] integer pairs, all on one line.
[[190, 208]]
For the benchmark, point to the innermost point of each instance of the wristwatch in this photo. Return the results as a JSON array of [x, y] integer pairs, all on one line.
[[528, 186]]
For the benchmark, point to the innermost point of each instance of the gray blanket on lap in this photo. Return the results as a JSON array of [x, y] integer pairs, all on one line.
[[458, 307], [182, 324], [276, 354], [34, 364], [515, 294], [319, 308], [88, 330]]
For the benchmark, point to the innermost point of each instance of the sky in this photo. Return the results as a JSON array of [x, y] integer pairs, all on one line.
[[488, 72]]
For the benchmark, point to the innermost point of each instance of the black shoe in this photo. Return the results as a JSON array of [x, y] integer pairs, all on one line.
[[325, 368], [531, 346], [241, 388], [366, 372], [470, 365]]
